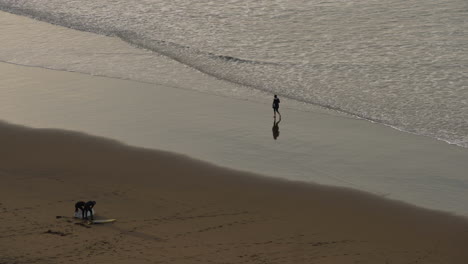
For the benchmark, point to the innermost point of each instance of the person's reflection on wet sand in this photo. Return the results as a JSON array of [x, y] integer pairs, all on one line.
[[275, 128]]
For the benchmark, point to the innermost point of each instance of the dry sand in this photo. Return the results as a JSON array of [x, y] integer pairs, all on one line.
[[173, 209]]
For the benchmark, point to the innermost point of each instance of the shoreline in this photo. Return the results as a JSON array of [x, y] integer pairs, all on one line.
[[311, 147], [162, 67], [171, 208]]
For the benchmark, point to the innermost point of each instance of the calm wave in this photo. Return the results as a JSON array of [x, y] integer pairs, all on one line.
[[401, 63]]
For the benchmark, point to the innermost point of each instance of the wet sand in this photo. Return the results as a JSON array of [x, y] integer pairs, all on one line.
[[311, 146], [173, 209]]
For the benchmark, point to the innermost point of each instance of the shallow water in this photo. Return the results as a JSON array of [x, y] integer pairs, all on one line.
[[402, 63]]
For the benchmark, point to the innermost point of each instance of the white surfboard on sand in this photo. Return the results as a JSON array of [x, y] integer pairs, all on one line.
[[103, 221]]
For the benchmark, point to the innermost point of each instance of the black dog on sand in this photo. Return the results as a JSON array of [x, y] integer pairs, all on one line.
[[85, 207]]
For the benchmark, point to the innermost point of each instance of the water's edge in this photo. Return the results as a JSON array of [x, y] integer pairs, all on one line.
[[175, 52]]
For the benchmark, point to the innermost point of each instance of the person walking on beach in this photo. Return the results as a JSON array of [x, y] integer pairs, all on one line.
[[276, 102]]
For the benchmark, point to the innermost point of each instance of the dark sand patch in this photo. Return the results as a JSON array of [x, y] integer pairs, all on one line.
[[173, 209]]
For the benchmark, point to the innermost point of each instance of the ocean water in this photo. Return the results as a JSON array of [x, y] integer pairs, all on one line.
[[403, 63]]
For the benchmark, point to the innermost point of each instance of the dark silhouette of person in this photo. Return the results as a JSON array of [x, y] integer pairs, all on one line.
[[275, 105], [275, 128]]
